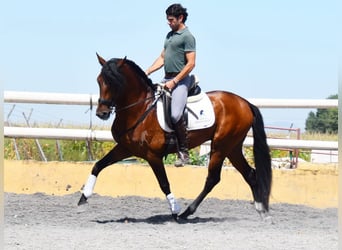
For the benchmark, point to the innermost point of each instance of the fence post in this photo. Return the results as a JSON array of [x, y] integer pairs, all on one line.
[[88, 142], [60, 153], [41, 152], [13, 139]]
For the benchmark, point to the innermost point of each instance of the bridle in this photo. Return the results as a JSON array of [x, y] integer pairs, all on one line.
[[114, 109], [110, 104]]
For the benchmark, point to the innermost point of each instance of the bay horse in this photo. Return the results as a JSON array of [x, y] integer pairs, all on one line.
[[125, 89]]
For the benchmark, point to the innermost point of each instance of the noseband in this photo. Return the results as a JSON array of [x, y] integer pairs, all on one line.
[[108, 103]]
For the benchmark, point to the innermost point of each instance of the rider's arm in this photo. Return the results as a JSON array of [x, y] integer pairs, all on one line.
[[158, 63], [189, 66]]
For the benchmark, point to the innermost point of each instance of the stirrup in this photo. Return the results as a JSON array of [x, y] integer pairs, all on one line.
[[183, 159]]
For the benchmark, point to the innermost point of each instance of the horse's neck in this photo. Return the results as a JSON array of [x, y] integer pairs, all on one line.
[[134, 98], [129, 116]]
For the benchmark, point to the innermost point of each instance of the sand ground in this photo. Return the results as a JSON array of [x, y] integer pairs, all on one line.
[[128, 211]]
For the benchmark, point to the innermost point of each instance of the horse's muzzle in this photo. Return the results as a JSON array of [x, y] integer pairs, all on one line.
[[104, 109], [104, 115]]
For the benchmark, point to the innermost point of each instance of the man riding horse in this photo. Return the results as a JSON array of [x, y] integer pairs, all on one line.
[[125, 89], [178, 58]]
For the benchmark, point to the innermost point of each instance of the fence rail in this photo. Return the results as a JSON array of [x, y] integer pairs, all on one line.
[[91, 99], [101, 135]]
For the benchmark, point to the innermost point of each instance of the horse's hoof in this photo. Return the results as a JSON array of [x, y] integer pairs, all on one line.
[[269, 220], [266, 217], [183, 216], [82, 201], [175, 217]]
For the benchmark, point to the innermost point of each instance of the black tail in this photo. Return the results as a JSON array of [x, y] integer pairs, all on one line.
[[262, 158]]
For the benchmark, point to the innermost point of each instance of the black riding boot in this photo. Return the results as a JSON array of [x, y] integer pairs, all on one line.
[[181, 134]]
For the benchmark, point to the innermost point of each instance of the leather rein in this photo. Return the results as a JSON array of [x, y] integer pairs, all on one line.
[[111, 106]]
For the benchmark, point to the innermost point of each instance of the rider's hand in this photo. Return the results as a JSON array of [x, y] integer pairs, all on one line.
[[170, 84]]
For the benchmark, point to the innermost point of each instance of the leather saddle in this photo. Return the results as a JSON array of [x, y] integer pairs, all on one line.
[[194, 90]]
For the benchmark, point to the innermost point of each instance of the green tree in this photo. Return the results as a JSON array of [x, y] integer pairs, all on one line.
[[324, 120]]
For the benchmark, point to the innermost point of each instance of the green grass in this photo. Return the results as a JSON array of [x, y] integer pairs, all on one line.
[[319, 137]]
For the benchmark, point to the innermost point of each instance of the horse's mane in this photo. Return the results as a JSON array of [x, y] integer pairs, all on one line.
[[141, 73], [112, 72]]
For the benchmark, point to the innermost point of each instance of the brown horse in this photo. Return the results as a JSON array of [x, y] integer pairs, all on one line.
[[125, 89]]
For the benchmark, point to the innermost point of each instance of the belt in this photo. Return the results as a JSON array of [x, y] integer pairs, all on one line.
[[171, 74]]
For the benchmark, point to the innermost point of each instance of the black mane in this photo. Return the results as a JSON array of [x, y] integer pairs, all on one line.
[[141, 73], [111, 72]]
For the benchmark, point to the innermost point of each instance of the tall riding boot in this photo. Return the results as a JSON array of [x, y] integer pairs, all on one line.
[[181, 134]]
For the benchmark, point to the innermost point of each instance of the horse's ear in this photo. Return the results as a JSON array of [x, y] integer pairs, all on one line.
[[101, 60], [122, 62]]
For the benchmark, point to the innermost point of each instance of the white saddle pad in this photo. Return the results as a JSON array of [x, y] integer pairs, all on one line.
[[201, 114]]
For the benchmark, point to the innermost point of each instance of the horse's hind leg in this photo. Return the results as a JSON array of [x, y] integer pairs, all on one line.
[[238, 160], [214, 176]]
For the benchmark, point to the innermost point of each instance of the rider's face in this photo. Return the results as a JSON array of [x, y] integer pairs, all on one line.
[[174, 22]]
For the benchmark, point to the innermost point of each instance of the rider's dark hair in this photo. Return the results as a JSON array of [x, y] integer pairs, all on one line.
[[177, 10]]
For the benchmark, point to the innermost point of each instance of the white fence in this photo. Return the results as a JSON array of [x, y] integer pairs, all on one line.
[[100, 135], [90, 99]]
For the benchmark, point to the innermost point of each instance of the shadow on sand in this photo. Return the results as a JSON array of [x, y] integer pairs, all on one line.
[[165, 218]]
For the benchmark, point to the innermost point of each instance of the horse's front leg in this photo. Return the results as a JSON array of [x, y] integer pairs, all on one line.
[[160, 173], [118, 153]]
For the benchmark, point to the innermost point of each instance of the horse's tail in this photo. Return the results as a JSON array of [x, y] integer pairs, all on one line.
[[262, 158]]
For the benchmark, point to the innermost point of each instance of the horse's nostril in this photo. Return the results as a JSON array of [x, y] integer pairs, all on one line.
[[103, 115]]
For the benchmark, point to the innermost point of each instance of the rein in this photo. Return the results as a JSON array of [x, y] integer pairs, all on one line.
[[111, 106], [133, 104], [144, 115], [141, 118]]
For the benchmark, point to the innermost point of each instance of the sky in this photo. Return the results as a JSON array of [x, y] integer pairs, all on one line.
[[256, 49]]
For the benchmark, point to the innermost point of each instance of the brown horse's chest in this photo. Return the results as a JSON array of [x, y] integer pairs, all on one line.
[[145, 134]]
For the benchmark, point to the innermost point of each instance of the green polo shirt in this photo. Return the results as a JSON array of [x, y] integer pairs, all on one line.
[[175, 46]]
